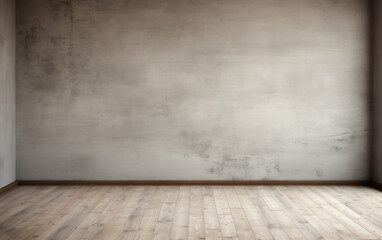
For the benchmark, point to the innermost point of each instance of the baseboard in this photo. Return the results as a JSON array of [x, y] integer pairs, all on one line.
[[8, 187], [194, 182], [376, 185]]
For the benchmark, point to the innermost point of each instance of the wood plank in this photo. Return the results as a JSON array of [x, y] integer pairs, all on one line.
[[289, 227], [227, 226], [211, 219], [336, 225], [213, 234], [141, 202], [359, 231], [232, 199], [322, 227], [179, 229], [242, 225], [293, 213], [196, 227], [196, 202], [166, 215], [255, 219], [191, 212], [148, 224], [222, 206], [273, 225]]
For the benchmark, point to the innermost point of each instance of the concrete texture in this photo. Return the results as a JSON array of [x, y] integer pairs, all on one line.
[[180, 89], [377, 86], [7, 93]]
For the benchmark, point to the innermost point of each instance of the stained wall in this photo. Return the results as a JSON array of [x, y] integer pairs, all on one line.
[[179, 89]]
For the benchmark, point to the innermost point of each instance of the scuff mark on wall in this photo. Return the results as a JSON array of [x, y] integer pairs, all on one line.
[[338, 142], [319, 172], [220, 162], [238, 167]]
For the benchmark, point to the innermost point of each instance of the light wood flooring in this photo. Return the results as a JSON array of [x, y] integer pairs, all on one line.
[[191, 212]]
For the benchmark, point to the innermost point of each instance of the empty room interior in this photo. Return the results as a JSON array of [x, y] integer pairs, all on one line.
[[191, 119]]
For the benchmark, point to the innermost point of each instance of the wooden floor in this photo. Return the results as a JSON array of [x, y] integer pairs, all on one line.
[[191, 212]]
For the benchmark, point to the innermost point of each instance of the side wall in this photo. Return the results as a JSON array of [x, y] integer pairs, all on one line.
[[377, 86], [7, 92], [180, 89]]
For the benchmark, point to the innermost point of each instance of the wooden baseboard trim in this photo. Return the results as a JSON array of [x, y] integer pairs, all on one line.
[[376, 185], [192, 182], [8, 187]]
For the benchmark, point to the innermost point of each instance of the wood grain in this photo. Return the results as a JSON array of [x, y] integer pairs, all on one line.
[[191, 212]]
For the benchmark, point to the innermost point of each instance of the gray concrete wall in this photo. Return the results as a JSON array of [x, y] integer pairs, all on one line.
[[180, 89], [377, 86], [7, 93]]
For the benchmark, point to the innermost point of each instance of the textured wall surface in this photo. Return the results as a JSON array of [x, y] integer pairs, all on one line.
[[7, 93], [180, 89], [377, 86]]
